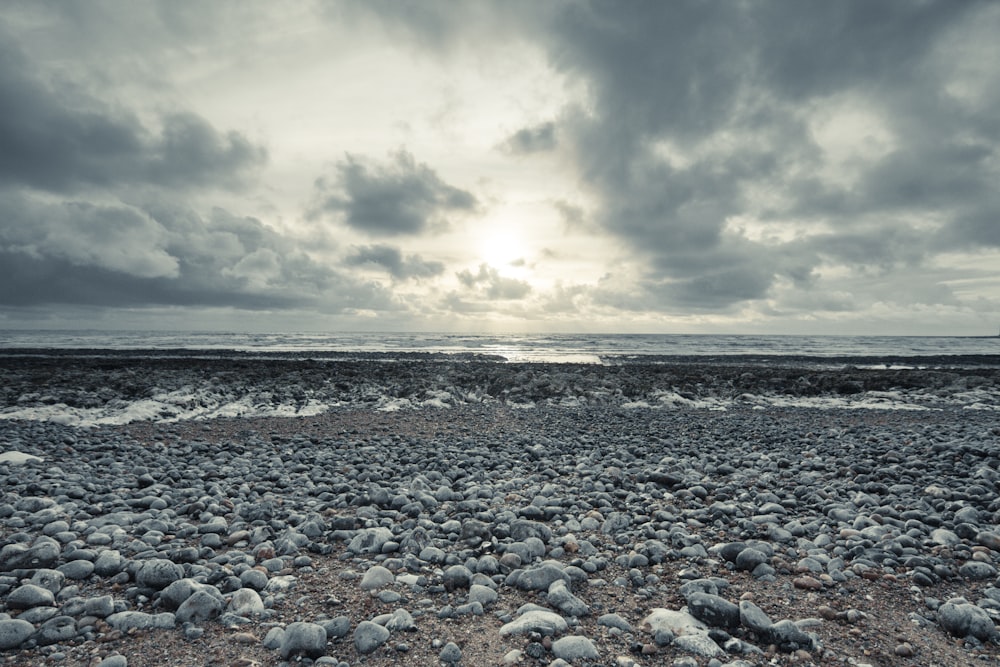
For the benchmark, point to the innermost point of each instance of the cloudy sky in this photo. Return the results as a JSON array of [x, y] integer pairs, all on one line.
[[681, 166]]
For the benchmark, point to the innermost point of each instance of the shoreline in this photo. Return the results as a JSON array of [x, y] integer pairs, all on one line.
[[862, 522]]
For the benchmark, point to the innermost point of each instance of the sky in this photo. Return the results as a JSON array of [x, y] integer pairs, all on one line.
[[563, 166]]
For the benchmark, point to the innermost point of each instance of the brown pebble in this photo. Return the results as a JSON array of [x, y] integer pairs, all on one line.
[[802, 656], [243, 638], [807, 583], [827, 613], [905, 650], [649, 649]]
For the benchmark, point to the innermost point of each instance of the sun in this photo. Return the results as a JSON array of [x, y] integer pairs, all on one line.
[[502, 249]]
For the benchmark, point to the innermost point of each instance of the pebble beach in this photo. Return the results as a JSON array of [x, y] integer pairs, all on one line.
[[236, 510]]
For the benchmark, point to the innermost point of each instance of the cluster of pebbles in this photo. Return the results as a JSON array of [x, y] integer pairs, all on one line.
[[581, 536]]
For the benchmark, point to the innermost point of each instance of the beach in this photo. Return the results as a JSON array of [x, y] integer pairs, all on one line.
[[197, 509]]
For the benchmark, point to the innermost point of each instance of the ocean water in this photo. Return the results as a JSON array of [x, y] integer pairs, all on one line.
[[565, 348], [594, 373]]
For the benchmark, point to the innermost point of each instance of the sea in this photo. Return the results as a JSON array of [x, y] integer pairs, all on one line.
[[972, 364], [522, 348]]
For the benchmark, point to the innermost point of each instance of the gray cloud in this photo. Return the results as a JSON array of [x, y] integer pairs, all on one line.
[[537, 139], [397, 198], [491, 285], [392, 260], [60, 137], [697, 108], [161, 253]]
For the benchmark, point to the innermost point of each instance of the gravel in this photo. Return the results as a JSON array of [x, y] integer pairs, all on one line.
[[594, 534]]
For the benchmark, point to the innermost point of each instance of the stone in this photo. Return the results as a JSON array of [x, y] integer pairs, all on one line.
[[14, 632], [714, 610], [246, 602], [961, 619], [28, 596], [539, 578], [158, 573], [114, 661], [199, 607], [484, 595], [370, 540], [337, 627], [748, 559], [376, 577], [614, 621], [55, 630], [754, 619], [302, 638], [676, 622], [698, 644], [77, 569], [369, 636], [543, 622], [456, 576], [560, 597], [451, 654], [575, 649], [789, 636]]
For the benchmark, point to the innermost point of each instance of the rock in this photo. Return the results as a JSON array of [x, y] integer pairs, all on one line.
[[560, 597], [698, 644], [199, 607], [790, 637], [401, 621], [451, 654], [455, 577], [55, 630], [543, 622], [484, 595], [109, 563], [945, 537], [748, 559], [14, 632], [370, 540], [369, 636], [301, 638], [539, 578], [337, 627], [114, 661], [158, 573], [714, 610], [575, 649], [614, 621], [807, 583], [676, 622], [246, 602], [29, 596], [124, 621], [51, 580], [101, 606], [961, 619], [977, 571], [754, 619], [77, 569], [376, 577]]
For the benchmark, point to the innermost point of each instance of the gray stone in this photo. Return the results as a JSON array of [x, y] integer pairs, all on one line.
[[754, 619], [451, 654], [376, 577], [14, 632], [575, 649], [300, 638], [109, 563], [750, 558], [698, 644], [337, 627], [55, 630], [158, 573], [101, 606], [369, 636], [560, 597], [28, 596], [124, 621], [945, 537], [246, 602], [401, 620], [484, 595], [714, 610], [539, 578], [456, 576], [961, 619], [370, 540], [51, 580], [114, 661], [546, 623], [790, 637], [977, 571], [199, 607], [521, 529], [614, 621], [77, 569]]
